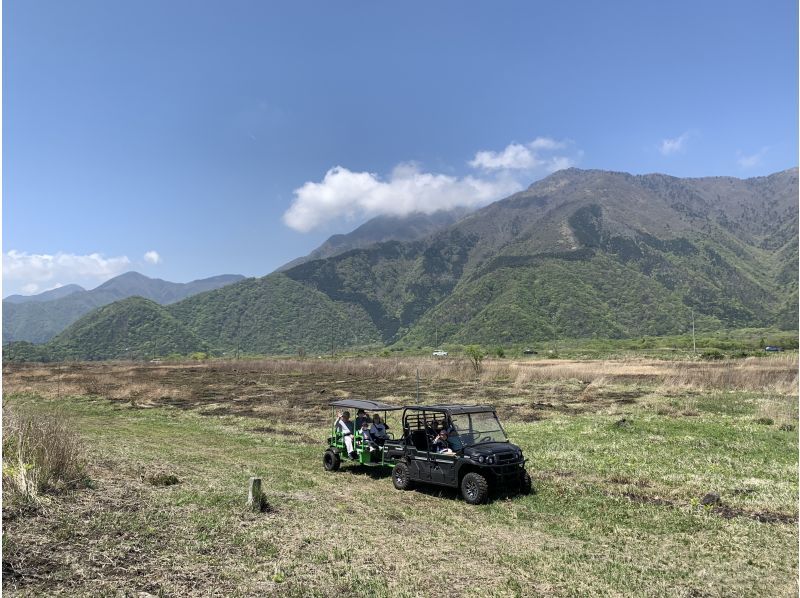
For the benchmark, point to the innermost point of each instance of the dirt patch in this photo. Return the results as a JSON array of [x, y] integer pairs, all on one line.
[[718, 508]]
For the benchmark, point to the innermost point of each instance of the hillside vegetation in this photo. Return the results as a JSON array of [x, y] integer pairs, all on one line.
[[39, 318], [580, 254]]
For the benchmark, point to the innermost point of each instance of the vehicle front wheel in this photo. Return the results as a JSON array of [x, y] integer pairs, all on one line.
[[401, 476], [526, 486], [331, 461], [474, 488]]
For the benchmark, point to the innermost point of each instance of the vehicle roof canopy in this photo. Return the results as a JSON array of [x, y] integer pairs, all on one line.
[[366, 405], [453, 409]]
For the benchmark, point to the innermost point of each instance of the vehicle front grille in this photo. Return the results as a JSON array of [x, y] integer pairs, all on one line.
[[503, 458]]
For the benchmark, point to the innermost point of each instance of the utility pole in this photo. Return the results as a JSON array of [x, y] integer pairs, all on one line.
[[437, 335], [694, 343]]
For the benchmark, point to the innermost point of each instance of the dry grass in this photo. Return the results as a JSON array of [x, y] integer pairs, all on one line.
[[617, 511], [41, 453]]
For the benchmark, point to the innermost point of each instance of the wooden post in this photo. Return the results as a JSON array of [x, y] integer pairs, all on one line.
[[255, 497]]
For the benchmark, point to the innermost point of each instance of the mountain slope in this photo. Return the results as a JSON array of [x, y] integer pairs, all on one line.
[[39, 321], [578, 254], [381, 229], [274, 314], [131, 328], [50, 295]]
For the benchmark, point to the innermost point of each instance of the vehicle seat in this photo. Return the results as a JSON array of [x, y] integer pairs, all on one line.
[[419, 440]]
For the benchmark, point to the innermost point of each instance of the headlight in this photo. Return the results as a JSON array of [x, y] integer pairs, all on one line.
[[490, 460], [481, 459]]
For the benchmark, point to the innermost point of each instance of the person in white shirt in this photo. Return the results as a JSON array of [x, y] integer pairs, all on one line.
[[345, 426]]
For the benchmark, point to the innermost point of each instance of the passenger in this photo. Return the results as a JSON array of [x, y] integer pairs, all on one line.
[[361, 415], [431, 429], [378, 430], [345, 426], [441, 445], [367, 437]]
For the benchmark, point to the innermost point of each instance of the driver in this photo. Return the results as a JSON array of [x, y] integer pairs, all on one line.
[[453, 440], [440, 444]]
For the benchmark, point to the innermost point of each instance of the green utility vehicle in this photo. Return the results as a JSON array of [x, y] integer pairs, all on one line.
[[476, 456]]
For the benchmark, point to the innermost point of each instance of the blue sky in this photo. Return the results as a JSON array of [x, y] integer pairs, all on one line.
[[232, 137]]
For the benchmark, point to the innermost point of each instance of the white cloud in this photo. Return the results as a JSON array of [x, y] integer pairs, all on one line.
[[29, 271], [672, 146], [517, 156], [345, 193], [152, 257], [752, 160]]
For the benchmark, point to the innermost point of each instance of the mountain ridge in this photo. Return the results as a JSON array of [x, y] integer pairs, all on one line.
[[579, 254], [38, 321]]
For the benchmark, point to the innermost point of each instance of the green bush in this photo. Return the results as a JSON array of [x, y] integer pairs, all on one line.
[[475, 355]]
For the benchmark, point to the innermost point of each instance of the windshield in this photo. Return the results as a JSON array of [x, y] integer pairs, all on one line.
[[476, 428]]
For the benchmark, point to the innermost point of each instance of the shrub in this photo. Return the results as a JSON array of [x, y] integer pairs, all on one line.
[[712, 355], [475, 355], [41, 453]]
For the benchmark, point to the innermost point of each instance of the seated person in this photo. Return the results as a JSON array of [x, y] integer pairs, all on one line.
[[452, 435], [345, 427], [432, 428], [440, 444], [367, 437], [378, 430], [361, 415]]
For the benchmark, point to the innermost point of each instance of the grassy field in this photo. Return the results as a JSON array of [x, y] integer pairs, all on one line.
[[622, 454]]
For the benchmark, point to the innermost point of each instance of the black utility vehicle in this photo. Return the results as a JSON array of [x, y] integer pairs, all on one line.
[[479, 457]]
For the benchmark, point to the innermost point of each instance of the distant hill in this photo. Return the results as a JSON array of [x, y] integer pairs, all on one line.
[[134, 327], [41, 317], [50, 295], [580, 254], [383, 228]]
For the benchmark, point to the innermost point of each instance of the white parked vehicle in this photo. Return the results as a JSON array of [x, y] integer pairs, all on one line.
[[440, 353]]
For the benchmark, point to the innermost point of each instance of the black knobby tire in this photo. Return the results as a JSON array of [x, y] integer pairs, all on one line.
[[526, 485], [331, 461], [474, 488], [401, 476]]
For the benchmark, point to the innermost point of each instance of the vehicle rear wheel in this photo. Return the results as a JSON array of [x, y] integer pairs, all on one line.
[[331, 461], [401, 476], [526, 486], [474, 488]]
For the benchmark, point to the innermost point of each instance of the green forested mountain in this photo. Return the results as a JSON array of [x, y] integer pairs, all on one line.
[[579, 254], [131, 328], [40, 317]]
